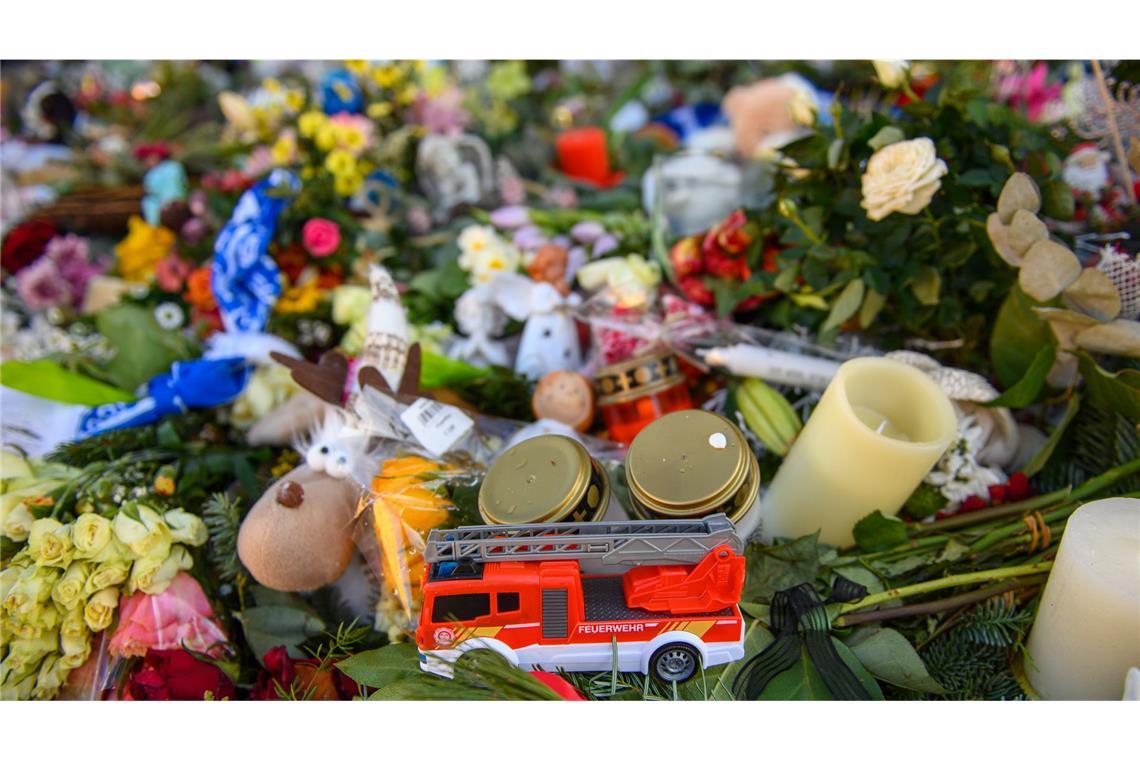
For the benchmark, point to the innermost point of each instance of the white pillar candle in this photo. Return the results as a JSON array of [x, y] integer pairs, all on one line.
[[1087, 633], [878, 429]]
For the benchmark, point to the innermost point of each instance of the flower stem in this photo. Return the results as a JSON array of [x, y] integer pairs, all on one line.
[[950, 581], [993, 513], [939, 605]]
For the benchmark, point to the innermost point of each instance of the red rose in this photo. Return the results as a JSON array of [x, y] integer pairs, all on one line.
[[732, 236], [175, 674], [321, 237], [685, 256], [159, 151], [24, 243], [1018, 488], [283, 671], [695, 290], [726, 267]]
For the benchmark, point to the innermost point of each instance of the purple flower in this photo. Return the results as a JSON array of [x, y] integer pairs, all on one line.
[[444, 113], [575, 258], [42, 286], [510, 217], [529, 237], [604, 245], [562, 241], [68, 250], [561, 197], [511, 189], [587, 232], [194, 230]]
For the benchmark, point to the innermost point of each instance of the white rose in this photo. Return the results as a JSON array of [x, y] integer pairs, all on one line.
[[902, 177], [891, 74], [802, 107]]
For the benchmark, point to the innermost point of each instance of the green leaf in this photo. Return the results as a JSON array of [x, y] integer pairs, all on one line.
[[1039, 460], [1017, 338], [845, 306], [1026, 390], [873, 303], [46, 379], [925, 501], [268, 627], [877, 532], [802, 681], [1119, 392], [781, 566], [834, 153], [379, 667], [437, 371], [926, 286], [142, 348], [1057, 200], [885, 136], [756, 640], [975, 178], [786, 279], [890, 657], [863, 576]]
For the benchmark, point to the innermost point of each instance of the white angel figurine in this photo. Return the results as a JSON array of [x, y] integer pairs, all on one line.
[[550, 339], [480, 320]]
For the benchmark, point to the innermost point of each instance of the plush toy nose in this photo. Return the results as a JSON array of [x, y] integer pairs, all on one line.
[[290, 494]]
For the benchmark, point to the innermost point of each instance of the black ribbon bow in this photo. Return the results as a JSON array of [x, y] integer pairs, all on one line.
[[799, 620]]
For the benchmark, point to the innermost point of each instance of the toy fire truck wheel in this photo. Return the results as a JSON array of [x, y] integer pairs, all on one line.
[[675, 663]]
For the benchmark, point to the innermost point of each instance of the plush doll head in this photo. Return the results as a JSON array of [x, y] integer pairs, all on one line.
[[298, 536]]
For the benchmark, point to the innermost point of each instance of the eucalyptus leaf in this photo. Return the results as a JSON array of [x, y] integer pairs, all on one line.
[[1018, 336], [890, 657], [271, 626]]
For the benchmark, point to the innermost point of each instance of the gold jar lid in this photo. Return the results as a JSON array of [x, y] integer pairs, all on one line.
[[640, 375], [548, 478], [690, 463]]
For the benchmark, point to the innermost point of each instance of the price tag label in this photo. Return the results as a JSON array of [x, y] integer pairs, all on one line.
[[436, 426]]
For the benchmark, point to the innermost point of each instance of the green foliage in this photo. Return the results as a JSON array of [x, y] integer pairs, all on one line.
[[780, 566], [222, 516], [142, 348], [877, 532], [924, 502], [1094, 441], [1018, 338], [972, 660], [888, 655], [278, 619], [1026, 390]]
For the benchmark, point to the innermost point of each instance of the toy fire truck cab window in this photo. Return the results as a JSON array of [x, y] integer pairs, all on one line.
[[508, 601], [460, 607]]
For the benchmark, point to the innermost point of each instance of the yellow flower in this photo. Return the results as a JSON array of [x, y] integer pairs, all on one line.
[[295, 100], [146, 535], [387, 76], [269, 387], [271, 84], [24, 653], [52, 675], [326, 136], [350, 304], [340, 162], [357, 67], [407, 94], [300, 298], [347, 184], [186, 528], [379, 109], [284, 151], [309, 122], [99, 611], [74, 639], [32, 587], [41, 618], [141, 250], [434, 80], [17, 521], [91, 533], [106, 575], [153, 576], [17, 686], [68, 590], [50, 543]]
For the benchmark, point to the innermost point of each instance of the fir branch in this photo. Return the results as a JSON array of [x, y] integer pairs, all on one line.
[[222, 516]]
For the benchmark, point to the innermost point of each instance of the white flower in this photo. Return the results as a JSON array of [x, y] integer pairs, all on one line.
[[902, 177], [802, 107], [484, 253], [168, 315], [958, 475], [891, 74], [472, 242]]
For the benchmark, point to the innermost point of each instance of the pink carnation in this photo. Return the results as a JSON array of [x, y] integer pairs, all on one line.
[[42, 286], [171, 272], [321, 237], [178, 617]]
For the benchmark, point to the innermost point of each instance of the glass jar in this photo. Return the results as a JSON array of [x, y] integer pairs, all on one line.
[[549, 478], [694, 463], [637, 391]]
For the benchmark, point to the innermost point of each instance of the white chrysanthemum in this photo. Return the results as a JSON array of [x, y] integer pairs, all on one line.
[[169, 316], [958, 475]]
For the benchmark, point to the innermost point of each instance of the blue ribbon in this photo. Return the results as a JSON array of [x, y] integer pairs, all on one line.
[[188, 385], [340, 93], [245, 278]]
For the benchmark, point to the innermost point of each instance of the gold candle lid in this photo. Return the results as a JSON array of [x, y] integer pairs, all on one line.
[[541, 479], [648, 373], [689, 463]]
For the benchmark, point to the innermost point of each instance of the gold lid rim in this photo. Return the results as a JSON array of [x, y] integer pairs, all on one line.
[[643, 390]]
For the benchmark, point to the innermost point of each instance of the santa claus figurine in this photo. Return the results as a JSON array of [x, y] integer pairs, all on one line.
[[1086, 170]]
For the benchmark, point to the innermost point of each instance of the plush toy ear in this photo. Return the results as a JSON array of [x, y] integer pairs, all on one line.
[[513, 293], [325, 379]]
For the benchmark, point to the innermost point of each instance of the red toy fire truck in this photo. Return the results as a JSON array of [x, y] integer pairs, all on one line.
[[661, 595]]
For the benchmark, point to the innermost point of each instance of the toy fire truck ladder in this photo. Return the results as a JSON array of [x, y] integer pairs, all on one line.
[[635, 542], [653, 548]]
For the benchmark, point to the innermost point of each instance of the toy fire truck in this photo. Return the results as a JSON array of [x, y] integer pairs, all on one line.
[[659, 595]]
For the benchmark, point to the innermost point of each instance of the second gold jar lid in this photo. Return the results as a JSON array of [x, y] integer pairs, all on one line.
[[541, 479], [687, 463]]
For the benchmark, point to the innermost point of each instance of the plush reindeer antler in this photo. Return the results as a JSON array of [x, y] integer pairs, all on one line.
[[409, 388], [325, 379]]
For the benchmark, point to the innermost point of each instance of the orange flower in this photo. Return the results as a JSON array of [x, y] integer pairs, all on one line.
[[198, 291]]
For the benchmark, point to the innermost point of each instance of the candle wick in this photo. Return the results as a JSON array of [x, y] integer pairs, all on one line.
[[882, 425]]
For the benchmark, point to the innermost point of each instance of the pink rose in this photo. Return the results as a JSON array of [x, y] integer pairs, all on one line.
[[320, 237], [179, 616], [171, 272]]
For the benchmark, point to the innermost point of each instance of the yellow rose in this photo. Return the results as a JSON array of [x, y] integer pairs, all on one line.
[[68, 590], [186, 528], [74, 639], [17, 519], [17, 687], [350, 304], [99, 611], [152, 576], [40, 619], [24, 653], [141, 250], [143, 531], [891, 74], [32, 588], [50, 679], [903, 177], [91, 533], [106, 575], [8, 578], [50, 543]]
